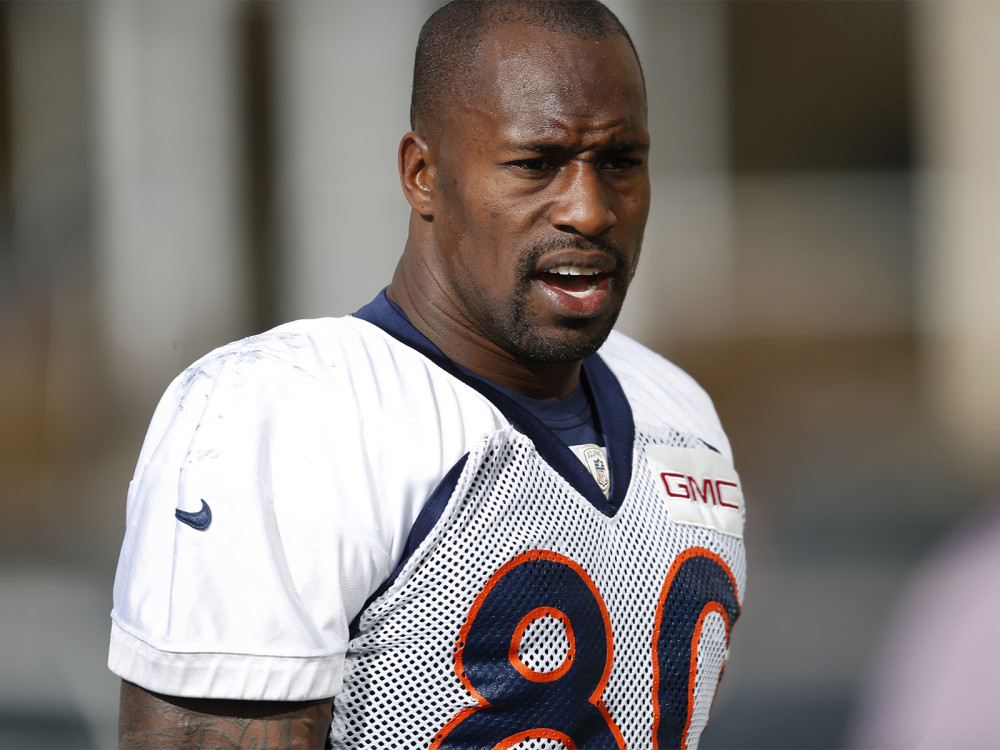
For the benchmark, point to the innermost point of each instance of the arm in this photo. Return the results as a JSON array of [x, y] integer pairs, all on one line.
[[151, 720]]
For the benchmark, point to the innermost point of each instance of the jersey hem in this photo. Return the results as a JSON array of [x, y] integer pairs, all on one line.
[[224, 675]]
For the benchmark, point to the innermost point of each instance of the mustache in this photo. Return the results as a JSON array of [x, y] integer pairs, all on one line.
[[605, 245]]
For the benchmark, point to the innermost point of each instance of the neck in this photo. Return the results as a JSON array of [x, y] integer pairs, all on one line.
[[542, 380]]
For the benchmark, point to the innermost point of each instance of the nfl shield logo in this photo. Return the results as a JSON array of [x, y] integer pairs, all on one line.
[[597, 464]]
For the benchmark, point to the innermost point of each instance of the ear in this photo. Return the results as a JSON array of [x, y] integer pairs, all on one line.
[[416, 173]]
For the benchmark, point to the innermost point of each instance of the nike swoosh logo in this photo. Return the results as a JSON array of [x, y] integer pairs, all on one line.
[[199, 520]]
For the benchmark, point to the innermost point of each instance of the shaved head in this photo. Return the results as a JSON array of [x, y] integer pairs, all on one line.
[[450, 40]]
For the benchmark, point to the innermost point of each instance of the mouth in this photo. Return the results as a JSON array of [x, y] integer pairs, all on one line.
[[576, 291], [576, 281]]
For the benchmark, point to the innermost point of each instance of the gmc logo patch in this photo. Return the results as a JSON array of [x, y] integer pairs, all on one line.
[[708, 491], [699, 487]]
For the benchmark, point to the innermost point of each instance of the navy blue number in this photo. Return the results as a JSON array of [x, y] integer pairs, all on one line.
[[515, 704], [698, 584]]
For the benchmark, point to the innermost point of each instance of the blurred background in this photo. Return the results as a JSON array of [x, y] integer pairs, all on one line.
[[821, 255]]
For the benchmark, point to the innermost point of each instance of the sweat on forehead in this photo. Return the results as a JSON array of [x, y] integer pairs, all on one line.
[[450, 39]]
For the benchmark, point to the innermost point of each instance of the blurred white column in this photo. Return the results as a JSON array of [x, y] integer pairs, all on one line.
[[682, 290], [48, 167], [957, 61], [343, 95], [167, 157]]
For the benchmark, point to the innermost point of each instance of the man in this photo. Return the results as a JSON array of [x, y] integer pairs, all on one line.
[[445, 521]]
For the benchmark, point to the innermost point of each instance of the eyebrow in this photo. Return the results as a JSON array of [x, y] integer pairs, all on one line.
[[552, 148], [628, 146]]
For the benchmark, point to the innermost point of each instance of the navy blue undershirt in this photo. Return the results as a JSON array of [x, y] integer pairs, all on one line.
[[571, 418]]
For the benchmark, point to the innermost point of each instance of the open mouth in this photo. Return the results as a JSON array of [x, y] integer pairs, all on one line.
[[576, 281]]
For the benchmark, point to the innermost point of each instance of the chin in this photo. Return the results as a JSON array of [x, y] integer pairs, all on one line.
[[568, 344]]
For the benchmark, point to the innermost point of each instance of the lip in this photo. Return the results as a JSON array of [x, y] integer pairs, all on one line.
[[592, 259]]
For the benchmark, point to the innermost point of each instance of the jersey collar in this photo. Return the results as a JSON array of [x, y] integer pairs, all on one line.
[[614, 415]]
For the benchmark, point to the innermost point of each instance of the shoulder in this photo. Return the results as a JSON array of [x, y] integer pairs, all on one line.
[[252, 378], [306, 361], [319, 380], [299, 352], [661, 393]]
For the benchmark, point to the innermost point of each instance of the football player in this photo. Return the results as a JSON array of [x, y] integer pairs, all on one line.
[[470, 514]]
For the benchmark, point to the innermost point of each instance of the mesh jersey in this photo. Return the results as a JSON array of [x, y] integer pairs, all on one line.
[[413, 543]]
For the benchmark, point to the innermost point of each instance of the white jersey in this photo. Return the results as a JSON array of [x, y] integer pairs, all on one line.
[[334, 509]]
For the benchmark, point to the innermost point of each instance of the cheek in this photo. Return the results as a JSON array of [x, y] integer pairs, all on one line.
[[509, 198], [636, 206]]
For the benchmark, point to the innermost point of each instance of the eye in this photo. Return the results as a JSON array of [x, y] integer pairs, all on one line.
[[621, 164], [537, 166]]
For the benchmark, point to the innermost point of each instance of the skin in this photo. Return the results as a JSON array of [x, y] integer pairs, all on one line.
[[150, 720], [541, 164]]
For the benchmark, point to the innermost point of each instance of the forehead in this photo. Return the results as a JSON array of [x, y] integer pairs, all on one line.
[[527, 77]]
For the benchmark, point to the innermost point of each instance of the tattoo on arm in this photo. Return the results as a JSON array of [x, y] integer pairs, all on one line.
[[149, 720]]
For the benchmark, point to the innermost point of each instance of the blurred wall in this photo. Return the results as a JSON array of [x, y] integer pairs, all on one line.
[[820, 254], [958, 312]]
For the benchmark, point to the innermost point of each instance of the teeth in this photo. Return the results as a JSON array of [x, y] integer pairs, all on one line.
[[574, 271], [583, 293]]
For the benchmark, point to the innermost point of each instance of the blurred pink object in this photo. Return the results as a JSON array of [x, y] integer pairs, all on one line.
[[937, 683]]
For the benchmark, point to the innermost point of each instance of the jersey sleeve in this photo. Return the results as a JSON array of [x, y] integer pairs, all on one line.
[[251, 540]]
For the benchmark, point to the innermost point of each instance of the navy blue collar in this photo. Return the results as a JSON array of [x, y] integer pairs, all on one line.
[[614, 415], [571, 418]]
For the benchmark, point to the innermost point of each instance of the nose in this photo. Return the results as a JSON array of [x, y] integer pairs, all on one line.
[[583, 206]]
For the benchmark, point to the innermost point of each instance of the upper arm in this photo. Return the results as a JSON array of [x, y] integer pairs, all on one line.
[[151, 720], [256, 602]]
